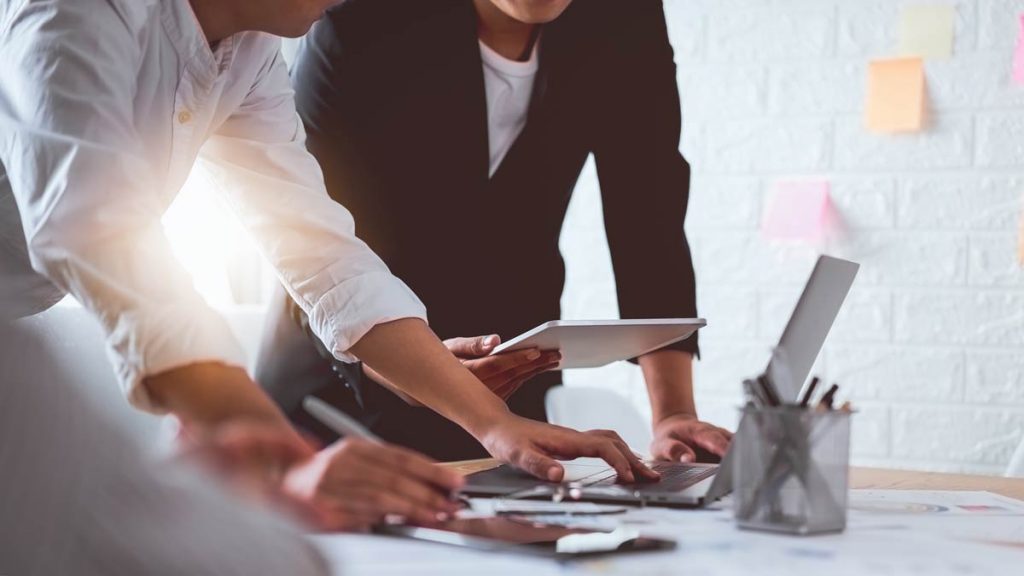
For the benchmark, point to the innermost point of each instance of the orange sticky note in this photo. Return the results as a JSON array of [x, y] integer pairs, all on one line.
[[896, 92]]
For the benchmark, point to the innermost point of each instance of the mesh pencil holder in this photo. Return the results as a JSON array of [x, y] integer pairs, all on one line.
[[792, 469]]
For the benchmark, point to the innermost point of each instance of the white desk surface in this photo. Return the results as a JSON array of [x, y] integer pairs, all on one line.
[[912, 541]]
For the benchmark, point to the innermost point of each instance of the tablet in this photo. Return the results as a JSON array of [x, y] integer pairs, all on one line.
[[593, 343], [525, 536]]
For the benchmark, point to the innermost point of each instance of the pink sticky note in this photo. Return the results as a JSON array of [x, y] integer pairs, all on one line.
[[1018, 56], [798, 211]]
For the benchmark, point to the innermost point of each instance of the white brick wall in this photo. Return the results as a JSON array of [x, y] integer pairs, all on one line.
[[930, 345]]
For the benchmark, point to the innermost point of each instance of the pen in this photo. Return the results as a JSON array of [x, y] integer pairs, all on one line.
[[752, 393], [809, 392], [345, 425], [769, 391], [337, 420], [827, 399]]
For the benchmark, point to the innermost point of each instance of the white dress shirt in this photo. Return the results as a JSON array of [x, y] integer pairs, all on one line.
[[105, 106], [509, 88]]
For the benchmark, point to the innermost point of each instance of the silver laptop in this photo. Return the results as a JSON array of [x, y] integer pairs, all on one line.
[[696, 485]]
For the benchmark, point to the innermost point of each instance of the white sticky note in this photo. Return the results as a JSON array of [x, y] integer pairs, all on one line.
[[927, 30]]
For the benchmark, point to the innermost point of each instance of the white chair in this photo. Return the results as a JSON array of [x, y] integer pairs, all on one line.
[[584, 408], [72, 338]]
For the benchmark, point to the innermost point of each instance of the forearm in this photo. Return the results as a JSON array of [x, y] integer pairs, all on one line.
[[669, 378], [413, 359], [210, 393]]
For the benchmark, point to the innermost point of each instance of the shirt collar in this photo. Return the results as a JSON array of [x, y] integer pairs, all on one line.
[[183, 29]]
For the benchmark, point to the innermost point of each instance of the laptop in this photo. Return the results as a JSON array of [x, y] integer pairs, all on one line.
[[693, 485]]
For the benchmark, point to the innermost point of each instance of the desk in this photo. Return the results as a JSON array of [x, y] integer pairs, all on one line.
[[881, 479], [710, 544]]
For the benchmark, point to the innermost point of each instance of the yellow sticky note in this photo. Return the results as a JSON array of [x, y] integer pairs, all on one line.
[[896, 92], [927, 31]]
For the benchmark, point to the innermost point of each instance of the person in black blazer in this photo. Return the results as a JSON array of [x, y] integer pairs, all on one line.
[[461, 184]]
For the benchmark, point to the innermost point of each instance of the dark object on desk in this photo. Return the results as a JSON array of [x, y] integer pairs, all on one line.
[[523, 536]]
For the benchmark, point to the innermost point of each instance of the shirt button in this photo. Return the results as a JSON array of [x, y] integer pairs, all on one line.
[[184, 116]]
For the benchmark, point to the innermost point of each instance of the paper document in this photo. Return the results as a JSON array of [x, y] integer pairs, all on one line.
[[934, 502], [978, 517]]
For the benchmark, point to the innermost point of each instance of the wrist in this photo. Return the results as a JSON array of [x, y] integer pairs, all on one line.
[[484, 416], [682, 414], [209, 394]]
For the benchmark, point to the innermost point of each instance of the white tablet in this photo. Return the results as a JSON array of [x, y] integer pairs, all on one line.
[[593, 343]]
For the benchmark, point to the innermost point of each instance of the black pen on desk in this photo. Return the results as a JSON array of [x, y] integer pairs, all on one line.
[[809, 392]]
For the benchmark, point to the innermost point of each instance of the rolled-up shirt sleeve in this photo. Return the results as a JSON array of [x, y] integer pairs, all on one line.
[[88, 200], [259, 161]]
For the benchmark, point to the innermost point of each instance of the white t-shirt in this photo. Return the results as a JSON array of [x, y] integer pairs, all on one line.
[[509, 85]]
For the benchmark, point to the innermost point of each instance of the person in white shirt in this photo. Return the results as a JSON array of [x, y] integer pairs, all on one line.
[[105, 106]]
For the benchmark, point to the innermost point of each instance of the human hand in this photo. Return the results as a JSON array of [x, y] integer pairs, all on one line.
[[534, 447], [502, 373], [249, 457], [676, 436], [354, 484]]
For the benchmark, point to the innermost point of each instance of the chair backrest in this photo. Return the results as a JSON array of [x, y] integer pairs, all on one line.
[[585, 408], [73, 340]]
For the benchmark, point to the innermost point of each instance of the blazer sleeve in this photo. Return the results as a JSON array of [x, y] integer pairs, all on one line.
[[644, 178]]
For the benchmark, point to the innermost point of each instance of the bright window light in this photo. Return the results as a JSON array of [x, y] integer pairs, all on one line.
[[208, 240]]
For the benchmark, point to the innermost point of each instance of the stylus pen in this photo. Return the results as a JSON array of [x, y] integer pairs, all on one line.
[[345, 425], [337, 420]]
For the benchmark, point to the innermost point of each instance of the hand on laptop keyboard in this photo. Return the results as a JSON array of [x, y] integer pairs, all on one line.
[[534, 446]]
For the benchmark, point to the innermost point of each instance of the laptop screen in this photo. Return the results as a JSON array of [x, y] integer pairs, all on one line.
[[810, 323]]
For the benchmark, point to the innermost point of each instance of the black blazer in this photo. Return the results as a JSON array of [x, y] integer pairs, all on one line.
[[391, 93]]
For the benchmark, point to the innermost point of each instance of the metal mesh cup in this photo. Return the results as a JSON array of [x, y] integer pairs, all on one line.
[[792, 470]]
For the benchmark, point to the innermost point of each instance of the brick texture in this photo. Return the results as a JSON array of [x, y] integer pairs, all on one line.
[[930, 345]]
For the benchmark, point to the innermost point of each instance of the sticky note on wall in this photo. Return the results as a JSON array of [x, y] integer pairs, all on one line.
[[927, 31], [896, 95], [799, 211], [1018, 56]]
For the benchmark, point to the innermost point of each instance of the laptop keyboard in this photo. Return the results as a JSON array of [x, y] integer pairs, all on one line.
[[673, 476]]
